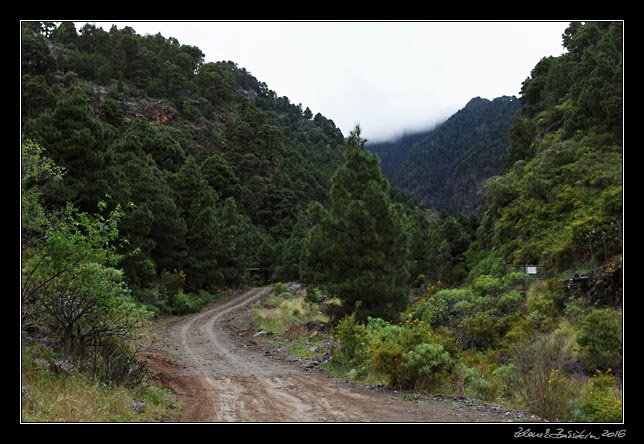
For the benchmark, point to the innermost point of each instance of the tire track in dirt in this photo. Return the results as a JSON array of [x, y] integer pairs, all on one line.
[[220, 380]]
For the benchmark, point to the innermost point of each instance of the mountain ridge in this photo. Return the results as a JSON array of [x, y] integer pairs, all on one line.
[[466, 148]]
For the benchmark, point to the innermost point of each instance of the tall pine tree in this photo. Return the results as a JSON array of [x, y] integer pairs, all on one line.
[[357, 249], [197, 204]]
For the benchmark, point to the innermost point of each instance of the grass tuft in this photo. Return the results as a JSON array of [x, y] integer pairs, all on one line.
[[79, 398]]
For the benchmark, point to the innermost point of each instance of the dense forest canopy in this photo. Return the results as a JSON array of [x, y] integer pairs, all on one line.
[[218, 169], [214, 168]]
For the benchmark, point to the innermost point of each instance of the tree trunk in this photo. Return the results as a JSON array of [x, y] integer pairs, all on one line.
[[67, 342]]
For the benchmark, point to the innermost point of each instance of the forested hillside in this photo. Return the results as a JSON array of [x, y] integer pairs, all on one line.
[[152, 181], [550, 342], [560, 202], [443, 168], [213, 168]]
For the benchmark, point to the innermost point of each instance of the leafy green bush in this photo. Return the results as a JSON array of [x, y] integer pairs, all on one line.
[[425, 365], [481, 378], [516, 278], [600, 400], [487, 285], [486, 262], [279, 288], [481, 330], [185, 303], [172, 283], [351, 343], [484, 388], [478, 316], [152, 308], [441, 307], [600, 339], [546, 302], [411, 355], [509, 302], [315, 296]]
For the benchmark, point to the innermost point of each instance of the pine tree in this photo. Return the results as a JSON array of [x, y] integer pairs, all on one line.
[[197, 203], [357, 249], [152, 226], [220, 176], [288, 261], [76, 140]]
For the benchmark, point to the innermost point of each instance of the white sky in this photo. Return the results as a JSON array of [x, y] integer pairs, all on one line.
[[388, 76]]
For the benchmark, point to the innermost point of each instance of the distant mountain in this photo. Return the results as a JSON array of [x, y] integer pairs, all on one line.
[[443, 168]]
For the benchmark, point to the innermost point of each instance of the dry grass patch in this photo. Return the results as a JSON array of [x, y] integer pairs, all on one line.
[[78, 398]]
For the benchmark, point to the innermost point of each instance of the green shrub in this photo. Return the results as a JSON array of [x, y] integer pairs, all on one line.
[[351, 343], [442, 307], [546, 300], [510, 302], [478, 383], [516, 278], [539, 384], [411, 355], [153, 308], [600, 339], [503, 377], [478, 316], [481, 330], [490, 263], [279, 288], [488, 285], [386, 352], [425, 365], [315, 296], [172, 284], [184, 303], [600, 400]]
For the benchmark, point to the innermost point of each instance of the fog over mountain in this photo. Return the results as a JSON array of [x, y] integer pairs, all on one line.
[[391, 77]]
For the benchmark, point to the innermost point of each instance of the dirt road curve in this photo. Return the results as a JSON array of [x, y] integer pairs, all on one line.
[[220, 380]]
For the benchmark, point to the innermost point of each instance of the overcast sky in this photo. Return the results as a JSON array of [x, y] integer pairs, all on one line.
[[390, 77]]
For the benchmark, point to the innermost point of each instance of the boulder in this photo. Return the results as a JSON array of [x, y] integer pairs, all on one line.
[[294, 287], [62, 366], [26, 398], [138, 406]]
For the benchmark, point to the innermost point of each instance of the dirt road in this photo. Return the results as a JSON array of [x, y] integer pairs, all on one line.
[[221, 380]]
